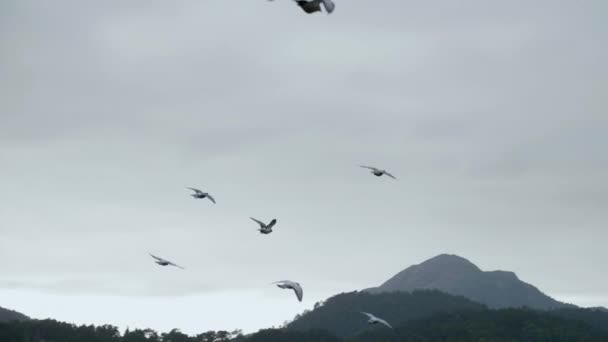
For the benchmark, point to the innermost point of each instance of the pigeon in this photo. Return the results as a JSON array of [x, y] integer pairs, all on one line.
[[375, 320], [164, 262], [312, 6], [199, 194], [377, 172], [288, 284], [265, 228]]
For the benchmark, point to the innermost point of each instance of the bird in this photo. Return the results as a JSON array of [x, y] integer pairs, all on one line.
[[288, 284], [312, 6], [377, 172], [375, 320], [164, 262], [199, 194], [265, 228]]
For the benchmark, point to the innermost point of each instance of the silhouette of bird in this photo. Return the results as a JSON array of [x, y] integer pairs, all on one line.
[[377, 172], [164, 262], [312, 6], [375, 320], [288, 284], [199, 194], [265, 228]]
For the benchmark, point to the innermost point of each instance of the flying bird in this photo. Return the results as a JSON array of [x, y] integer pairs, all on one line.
[[377, 172], [312, 6], [164, 262], [375, 320], [288, 284], [199, 194], [265, 228]]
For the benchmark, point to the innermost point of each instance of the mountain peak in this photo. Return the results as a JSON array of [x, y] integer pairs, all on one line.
[[458, 276]]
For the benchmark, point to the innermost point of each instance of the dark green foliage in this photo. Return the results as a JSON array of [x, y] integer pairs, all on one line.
[[53, 331], [341, 314], [490, 325], [272, 335], [10, 315], [597, 317]]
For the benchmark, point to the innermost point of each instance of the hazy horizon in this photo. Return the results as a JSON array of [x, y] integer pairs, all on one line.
[[491, 115]]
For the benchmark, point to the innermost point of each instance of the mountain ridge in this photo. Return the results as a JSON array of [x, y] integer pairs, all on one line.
[[458, 276]]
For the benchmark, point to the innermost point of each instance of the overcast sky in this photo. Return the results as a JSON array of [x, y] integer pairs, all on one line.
[[492, 114]]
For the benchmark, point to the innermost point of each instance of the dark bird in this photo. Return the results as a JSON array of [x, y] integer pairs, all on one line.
[[377, 172], [199, 194], [164, 262], [265, 228]]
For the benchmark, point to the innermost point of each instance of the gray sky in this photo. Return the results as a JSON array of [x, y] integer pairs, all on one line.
[[493, 115]]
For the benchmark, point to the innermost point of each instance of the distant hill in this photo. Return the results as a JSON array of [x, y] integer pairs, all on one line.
[[341, 314], [458, 276], [7, 315]]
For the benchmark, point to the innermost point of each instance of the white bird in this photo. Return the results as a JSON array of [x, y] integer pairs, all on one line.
[[375, 320], [199, 194], [312, 6], [377, 172], [164, 262], [265, 228], [288, 284]]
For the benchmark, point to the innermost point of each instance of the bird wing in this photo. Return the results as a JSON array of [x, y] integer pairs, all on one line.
[[176, 265], [370, 316], [384, 322], [369, 167], [388, 174], [298, 290], [157, 258], [329, 5], [262, 224], [195, 190], [211, 198], [272, 223]]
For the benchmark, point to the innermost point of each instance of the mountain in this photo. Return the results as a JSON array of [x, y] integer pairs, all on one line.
[[7, 315], [341, 314], [458, 276]]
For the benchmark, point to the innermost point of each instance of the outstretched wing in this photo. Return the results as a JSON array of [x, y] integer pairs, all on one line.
[[298, 290], [329, 5], [157, 258], [370, 316], [211, 198], [195, 190], [262, 224], [176, 265], [272, 223], [369, 167], [388, 174], [384, 322]]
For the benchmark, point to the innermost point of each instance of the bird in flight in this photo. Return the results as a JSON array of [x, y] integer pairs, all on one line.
[[199, 194], [312, 6], [164, 262], [288, 284], [377, 172], [375, 320], [265, 228]]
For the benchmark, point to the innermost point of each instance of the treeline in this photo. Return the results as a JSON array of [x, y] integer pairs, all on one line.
[[54, 331], [470, 325]]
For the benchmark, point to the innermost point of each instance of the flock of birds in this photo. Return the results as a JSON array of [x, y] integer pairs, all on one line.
[[266, 228], [308, 6]]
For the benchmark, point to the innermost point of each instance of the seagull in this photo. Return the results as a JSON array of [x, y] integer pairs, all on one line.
[[312, 6], [199, 194], [265, 228], [375, 320], [377, 172], [288, 284], [164, 262]]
